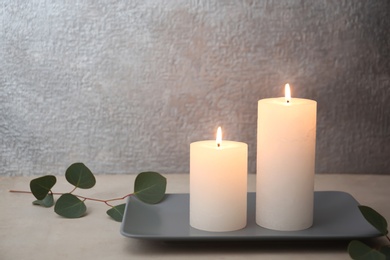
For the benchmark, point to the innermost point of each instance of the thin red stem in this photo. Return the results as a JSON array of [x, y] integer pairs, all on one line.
[[100, 200], [81, 197], [20, 191]]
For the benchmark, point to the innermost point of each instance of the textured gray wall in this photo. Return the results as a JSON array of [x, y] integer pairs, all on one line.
[[125, 86]]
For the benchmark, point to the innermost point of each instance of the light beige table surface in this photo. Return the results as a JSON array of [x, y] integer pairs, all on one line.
[[32, 232]]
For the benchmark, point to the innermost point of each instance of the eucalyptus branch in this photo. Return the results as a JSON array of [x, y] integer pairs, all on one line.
[[149, 187], [359, 250]]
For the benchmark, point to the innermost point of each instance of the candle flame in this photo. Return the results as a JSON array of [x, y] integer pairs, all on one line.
[[287, 93], [219, 137]]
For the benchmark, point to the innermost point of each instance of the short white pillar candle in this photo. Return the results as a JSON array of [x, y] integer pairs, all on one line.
[[218, 185]]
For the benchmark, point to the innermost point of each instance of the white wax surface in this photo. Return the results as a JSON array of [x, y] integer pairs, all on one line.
[[286, 134], [218, 185]]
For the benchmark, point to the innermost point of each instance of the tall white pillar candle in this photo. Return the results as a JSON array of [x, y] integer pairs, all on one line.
[[286, 134], [218, 185]]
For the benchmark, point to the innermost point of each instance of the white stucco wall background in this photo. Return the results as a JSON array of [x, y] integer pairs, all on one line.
[[126, 86]]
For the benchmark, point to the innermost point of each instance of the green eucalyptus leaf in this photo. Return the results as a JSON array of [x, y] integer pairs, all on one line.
[[375, 219], [360, 251], [47, 202], [150, 187], [41, 186], [69, 206], [80, 176], [117, 212], [386, 251]]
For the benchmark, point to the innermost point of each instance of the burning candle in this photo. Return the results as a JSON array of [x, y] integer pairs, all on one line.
[[286, 134], [218, 184]]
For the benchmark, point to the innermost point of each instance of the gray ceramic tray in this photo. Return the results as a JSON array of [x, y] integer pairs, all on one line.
[[336, 216]]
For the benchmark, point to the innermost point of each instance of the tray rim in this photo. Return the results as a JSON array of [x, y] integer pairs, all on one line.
[[221, 236]]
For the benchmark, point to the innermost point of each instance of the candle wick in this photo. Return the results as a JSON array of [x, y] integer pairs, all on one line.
[[218, 144], [288, 101]]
